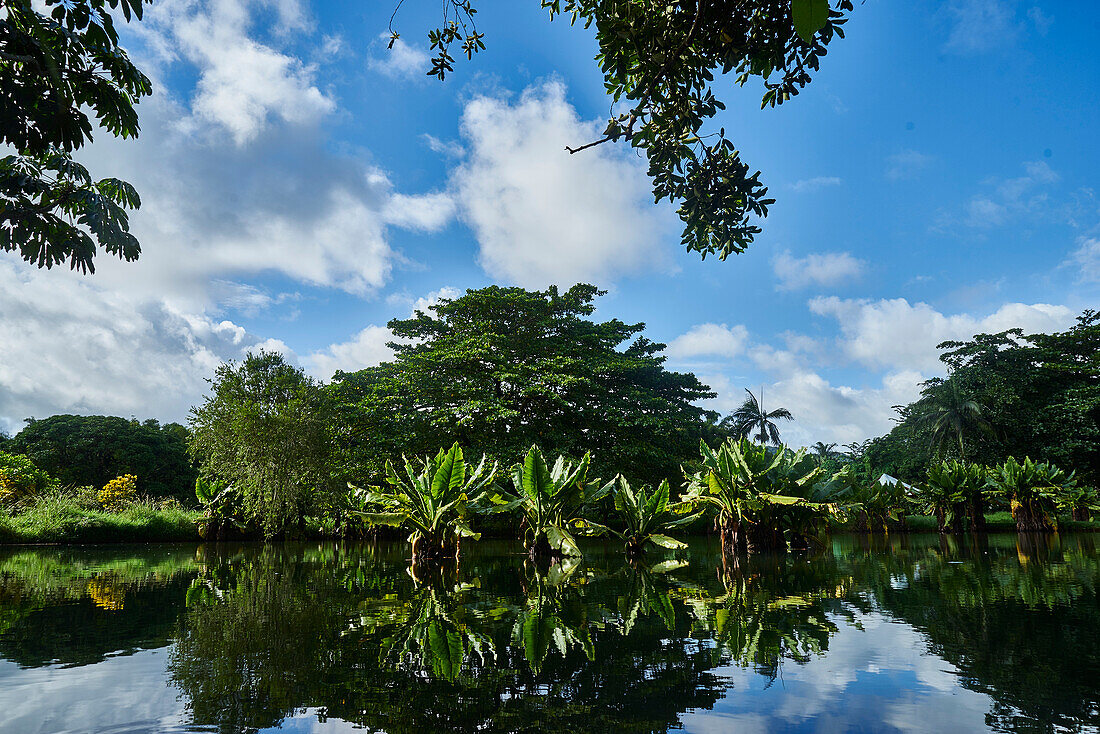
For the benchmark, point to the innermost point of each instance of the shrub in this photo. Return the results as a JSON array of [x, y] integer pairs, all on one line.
[[20, 478], [118, 493]]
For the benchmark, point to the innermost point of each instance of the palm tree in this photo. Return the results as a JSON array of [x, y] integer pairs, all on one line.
[[823, 450], [751, 418], [953, 417]]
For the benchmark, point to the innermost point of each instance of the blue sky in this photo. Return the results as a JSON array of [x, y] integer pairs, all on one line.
[[302, 185]]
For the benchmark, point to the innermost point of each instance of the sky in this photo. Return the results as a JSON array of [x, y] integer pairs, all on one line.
[[302, 185]]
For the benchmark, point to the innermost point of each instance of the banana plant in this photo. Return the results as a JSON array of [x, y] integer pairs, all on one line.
[[554, 503], [952, 492], [876, 505], [648, 516], [220, 506], [1034, 491], [432, 497], [761, 496]]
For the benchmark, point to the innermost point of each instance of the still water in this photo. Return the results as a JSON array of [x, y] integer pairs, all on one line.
[[912, 633]]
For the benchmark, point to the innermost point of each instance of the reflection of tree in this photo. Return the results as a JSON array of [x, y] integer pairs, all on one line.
[[1018, 618], [74, 607]]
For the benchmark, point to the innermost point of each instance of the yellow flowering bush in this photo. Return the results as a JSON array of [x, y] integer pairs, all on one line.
[[20, 478], [118, 493]]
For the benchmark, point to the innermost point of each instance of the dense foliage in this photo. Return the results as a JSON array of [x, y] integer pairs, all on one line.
[[659, 61], [500, 369], [1006, 394], [20, 478], [265, 430], [61, 66], [91, 450]]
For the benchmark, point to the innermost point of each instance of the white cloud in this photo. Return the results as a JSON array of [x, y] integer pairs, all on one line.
[[1006, 199], [709, 340], [73, 347], [242, 83], [367, 349], [1086, 260], [906, 164], [543, 216], [400, 61], [815, 184], [821, 268], [977, 26], [896, 334]]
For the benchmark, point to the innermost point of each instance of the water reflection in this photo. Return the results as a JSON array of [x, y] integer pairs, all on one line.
[[257, 635]]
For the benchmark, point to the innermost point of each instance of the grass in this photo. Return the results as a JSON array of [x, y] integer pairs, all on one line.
[[66, 517], [998, 522]]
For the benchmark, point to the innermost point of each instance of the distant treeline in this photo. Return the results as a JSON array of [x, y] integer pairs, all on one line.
[[91, 450]]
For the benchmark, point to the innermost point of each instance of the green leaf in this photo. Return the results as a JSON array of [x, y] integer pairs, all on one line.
[[809, 17], [665, 541]]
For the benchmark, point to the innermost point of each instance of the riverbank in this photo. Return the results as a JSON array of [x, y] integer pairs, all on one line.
[[61, 519]]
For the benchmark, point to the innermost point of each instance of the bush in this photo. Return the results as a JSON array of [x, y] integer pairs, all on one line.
[[20, 478], [118, 493]]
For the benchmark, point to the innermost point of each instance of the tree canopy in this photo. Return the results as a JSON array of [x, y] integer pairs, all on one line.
[[91, 450], [500, 369], [1036, 395], [659, 61], [265, 430], [61, 66]]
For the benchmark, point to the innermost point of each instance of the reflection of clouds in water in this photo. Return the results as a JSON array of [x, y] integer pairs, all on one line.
[[879, 679], [121, 694]]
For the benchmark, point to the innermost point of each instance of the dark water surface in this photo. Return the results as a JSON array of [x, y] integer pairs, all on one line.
[[916, 633]]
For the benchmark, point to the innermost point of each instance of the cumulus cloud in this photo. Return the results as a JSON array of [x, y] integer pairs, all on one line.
[[73, 347], [709, 340], [367, 349], [242, 82], [370, 347], [822, 268], [543, 216], [899, 335], [399, 61]]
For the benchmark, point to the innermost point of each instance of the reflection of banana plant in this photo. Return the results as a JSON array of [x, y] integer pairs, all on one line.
[[648, 516], [648, 593], [431, 498], [757, 627], [431, 633], [553, 502], [550, 617]]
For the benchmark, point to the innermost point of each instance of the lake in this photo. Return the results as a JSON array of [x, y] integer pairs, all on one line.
[[902, 634]]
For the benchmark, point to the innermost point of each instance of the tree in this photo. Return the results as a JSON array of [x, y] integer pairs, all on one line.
[[264, 429], [659, 62], [91, 450], [953, 417], [55, 71], [751, 416], [500, 369], [824, 450]]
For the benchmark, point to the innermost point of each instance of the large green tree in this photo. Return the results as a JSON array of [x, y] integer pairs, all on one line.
[[62, 72], [500, 369], [659, 62], [94, 449], [1038, 395], [265, 428]]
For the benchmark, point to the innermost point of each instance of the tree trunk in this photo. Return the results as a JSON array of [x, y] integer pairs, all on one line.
[[1081, 514], [730, 534], [977, 514], [1030, 517]]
